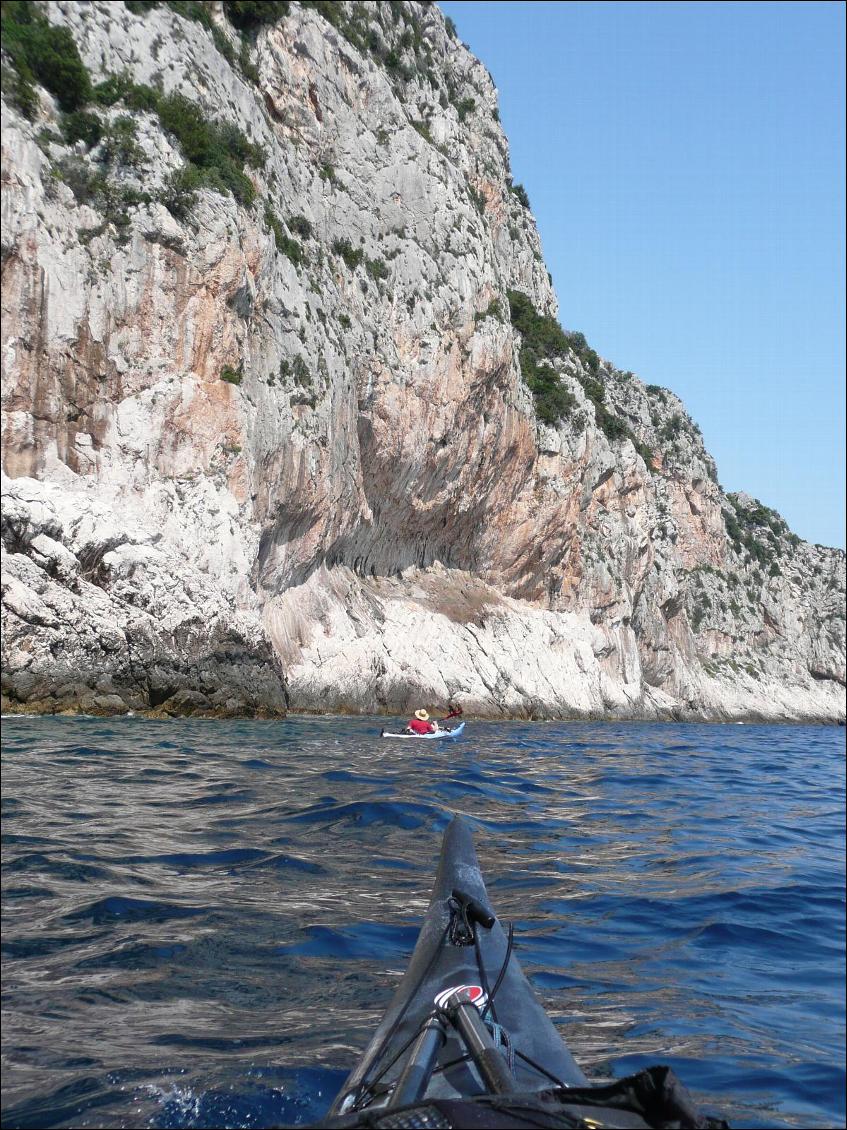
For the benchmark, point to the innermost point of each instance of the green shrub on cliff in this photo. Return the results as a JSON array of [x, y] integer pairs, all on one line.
[[120, 146], [478, 199], [493, 310], [519, 191], [91, 186], [464, 107], [593, 389], [553, 402], [42, 53], [423, 130], [81, 125], [543, 341], [300, 226], [377, 269], [179, 194], [232, 376], [611, 425], [217, 150], [200, 13], [86, 183], [332, 12], [247, 17], [541, 333], [588, 356], [136, 96], [250, 15], [351, 255], [758, 530], [284, 243], [300, 371], [204, 142], [671, 428], [408, 57]]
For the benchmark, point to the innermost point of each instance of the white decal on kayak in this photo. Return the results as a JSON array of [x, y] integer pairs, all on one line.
[[474, 992]]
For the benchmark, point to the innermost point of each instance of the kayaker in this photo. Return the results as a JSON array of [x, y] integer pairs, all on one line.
[[421, 724]]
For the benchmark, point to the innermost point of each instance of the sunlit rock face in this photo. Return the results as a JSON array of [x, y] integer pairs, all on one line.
[[246, 470]]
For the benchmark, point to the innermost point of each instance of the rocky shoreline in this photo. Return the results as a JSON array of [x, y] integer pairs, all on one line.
[[78, 708]]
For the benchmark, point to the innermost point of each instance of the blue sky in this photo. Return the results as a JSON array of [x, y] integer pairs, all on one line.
[[685, 164]]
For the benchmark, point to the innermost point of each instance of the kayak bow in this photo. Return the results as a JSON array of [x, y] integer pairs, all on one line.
[[464, 1042], [464, 1020]]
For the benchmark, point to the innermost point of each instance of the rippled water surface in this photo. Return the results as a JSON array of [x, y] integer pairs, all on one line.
[[202, 921]]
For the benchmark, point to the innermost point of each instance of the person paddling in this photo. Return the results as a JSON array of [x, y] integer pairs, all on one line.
[[422, 724]]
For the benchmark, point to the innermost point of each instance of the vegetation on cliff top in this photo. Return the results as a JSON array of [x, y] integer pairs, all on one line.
[[543, 342], [394, 36], [757, 531]]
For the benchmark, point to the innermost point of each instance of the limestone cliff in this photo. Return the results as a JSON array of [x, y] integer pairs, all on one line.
[[288, 419]]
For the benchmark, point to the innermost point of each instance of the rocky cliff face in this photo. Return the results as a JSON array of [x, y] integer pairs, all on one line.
[[288, 418]]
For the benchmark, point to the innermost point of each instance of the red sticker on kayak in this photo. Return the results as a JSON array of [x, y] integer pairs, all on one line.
[[474, 994]]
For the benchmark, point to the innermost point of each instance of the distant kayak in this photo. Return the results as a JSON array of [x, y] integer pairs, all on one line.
[[453, 733]]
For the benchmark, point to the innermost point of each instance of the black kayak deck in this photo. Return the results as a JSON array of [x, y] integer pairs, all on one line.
[[538, 1056]]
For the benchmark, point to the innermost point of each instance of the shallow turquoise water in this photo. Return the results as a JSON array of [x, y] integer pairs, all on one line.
[[202, 921]]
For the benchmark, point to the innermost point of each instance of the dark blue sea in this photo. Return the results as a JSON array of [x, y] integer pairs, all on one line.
[[203, 920]]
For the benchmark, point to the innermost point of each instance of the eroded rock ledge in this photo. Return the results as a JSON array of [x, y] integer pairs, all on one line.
[[104, 617]]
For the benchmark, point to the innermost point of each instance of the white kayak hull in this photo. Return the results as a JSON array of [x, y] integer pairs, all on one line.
[[454, 733]]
